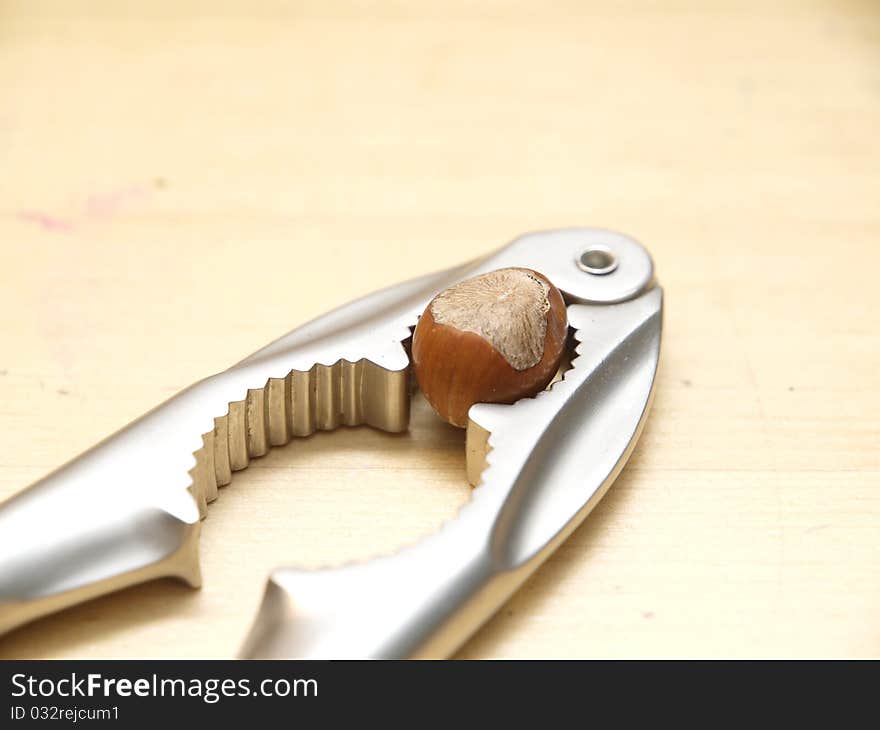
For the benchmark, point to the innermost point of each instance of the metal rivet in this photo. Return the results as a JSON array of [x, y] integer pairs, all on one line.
[[597, 260]]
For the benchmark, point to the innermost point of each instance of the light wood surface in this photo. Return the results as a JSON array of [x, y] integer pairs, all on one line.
[[183, 183]]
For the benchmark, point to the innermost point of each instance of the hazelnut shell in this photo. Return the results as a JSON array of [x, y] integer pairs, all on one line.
[[456, 368]]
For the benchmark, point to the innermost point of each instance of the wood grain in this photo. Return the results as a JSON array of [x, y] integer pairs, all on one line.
[[184, 182]]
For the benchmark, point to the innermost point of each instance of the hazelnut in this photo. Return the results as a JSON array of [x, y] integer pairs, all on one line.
[[495, 338]]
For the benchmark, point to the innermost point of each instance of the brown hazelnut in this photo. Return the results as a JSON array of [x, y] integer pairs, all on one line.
[[495, 338]]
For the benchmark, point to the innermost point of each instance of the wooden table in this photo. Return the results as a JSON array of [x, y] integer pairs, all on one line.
[[180, 188]]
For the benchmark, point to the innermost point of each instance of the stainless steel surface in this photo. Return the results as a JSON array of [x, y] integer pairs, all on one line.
[[549, 460], [633, 273], [129, 509]]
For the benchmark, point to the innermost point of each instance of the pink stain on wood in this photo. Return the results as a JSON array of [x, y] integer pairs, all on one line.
[[108, 204], [97, 207], [45, 221]]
